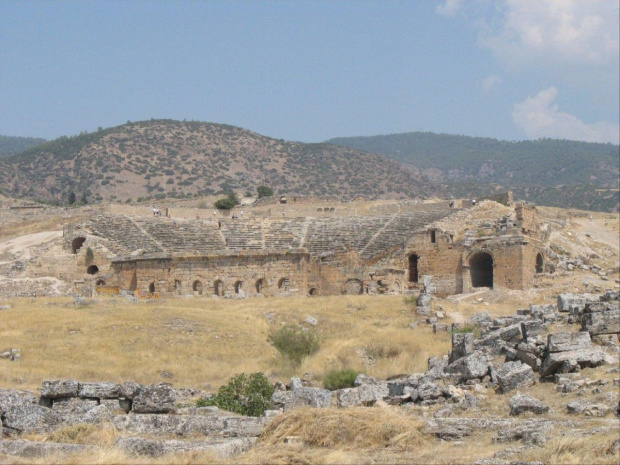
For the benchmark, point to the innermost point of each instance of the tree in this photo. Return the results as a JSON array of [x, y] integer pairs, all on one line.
[[71, 199], [264, 191], [225, 204]]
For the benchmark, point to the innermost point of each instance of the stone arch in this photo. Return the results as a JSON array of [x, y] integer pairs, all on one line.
[[414, 274], [283, 284], [481, 269], [353, 287], [313, 291], [397, 287], [260, 285], [100, 282], [540, 264], [152, 288], [218, 288], [197, 287], [92, 269], [239, 287], [76, 244]]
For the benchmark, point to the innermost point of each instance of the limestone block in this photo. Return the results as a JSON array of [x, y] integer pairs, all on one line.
[[348, 397], [129, 390], [515, 377], [309, 397], [510, 333], [606, 322], [154, 399], [565, 301], [33, 449], [474, 365], [532, 328], [523, 403], [60, 388], [72, 406], [99, 390], [462, 345], [561, 342], [225, 448], [592, 357]]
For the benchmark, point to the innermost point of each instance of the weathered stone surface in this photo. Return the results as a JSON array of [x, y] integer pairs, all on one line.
[[553, 362], [348, 397], [281, 398], [462, 345], [532, 328], [530, 433], [99, 390], [515, 377], [475, 365], [529, 359], [184, 425], [596, 410], [522, 403], [98, 414], [577, 406], [452, 432], [154, 448], [606, 322], [309, 397], [510, 333], [296, 384], [429, 391], [566, 301], [20, 412], [371, 389], [60, 388], [595, 307], [561, 342], [129, 390], [72, 406], [34, 449], [543, 312], [482, 318], [154, 399]]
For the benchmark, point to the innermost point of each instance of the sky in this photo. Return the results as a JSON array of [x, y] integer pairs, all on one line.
[[312, 70]]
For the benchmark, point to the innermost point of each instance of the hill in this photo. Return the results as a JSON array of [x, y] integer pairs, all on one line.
[[162, 158], [10, 145], [545, 171]]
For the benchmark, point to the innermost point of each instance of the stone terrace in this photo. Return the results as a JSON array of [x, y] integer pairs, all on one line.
[[372, 236]]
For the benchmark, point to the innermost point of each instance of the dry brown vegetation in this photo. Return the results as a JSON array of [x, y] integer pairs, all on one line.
[[204, 341]]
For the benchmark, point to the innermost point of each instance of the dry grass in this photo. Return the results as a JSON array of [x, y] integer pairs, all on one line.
[[203, 341]]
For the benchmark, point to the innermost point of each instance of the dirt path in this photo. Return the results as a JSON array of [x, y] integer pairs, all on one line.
[[22, 243]]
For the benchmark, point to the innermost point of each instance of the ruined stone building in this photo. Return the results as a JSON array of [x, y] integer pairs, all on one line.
[[306, 255]]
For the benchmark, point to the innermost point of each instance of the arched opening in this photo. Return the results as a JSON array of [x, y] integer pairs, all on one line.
[[92, 269], [100, 282], [413, 268], [539, 263], [77, 244], [238, 287], [353, 287], [197, 287], [133, 285], [283, 284], [218, 288], [152, 288], [481, 269], [260, 284], [313, 291]]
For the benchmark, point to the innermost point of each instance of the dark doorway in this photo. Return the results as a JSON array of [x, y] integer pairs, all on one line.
[[152, 288], [197, 287], [259, 286], [218, 288], [133, 285], [92, 269], [413, 268], [539, 263], [77, 244], [481, 269]]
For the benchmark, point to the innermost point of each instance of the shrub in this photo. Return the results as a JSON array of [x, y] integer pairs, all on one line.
[[225, 204], [296, 343], [247, 395], [410, 301], [264, 191], [340, 379], [90, 256]]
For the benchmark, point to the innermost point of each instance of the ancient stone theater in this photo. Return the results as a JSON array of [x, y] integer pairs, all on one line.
[[308, 256]]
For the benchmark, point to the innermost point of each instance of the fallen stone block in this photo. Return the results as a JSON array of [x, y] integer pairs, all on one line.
[[60, 388], [562, 342], [129, 390], [99, 390], [462, 345], [532, 329], [515, 376], [553, 362], [474, 365], [309, 397], [510, 333], [565, 301], [606, 322], [523, 403], [21, 413], [72, 406], [155, 448]]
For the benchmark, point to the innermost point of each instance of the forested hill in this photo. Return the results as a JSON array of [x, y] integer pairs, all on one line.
[[450, 158], [10, 145], [165, 158]]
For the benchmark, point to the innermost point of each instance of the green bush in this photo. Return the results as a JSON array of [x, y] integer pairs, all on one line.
[[247, 395], [410, 301], [90, 256], [296, 343], [340, 379], [264, 191], [225, 204]]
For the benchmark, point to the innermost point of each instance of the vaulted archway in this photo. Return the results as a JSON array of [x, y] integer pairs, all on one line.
[[481, 269]]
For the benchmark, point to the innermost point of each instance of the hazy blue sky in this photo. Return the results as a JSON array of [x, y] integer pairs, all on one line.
[[312, 70]]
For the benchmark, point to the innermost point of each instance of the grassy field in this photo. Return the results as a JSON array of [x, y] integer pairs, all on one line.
[[203, 341]]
